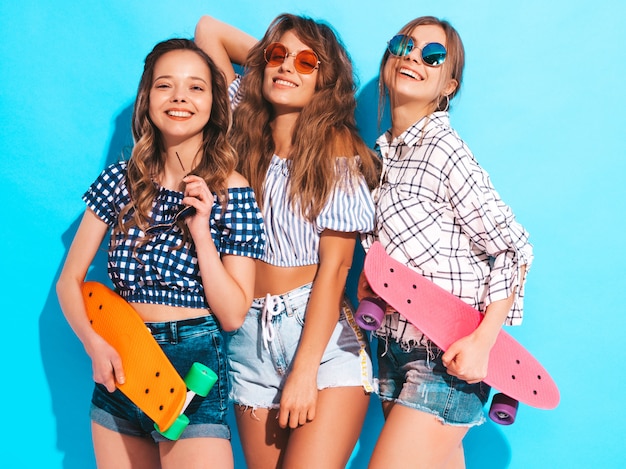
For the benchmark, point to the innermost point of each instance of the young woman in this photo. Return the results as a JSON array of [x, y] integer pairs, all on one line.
[[300, 367], [185, 276], [437, 212]]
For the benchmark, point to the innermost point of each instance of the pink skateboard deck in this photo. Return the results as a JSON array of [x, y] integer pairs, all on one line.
[[445, 318]]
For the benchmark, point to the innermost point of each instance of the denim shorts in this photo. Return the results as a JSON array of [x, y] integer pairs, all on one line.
[[260, 352], [418, 379], [184, 342]]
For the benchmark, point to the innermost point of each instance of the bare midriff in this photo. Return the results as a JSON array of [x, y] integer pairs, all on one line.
[[166, 313], [277, 280], [270, 279]]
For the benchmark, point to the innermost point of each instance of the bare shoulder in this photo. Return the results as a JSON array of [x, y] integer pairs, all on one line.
[[237, 180]]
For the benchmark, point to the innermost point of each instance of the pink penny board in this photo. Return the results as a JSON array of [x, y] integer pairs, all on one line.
[[445, 318]]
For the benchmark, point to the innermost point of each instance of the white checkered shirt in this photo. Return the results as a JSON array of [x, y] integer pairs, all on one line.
[[438, 213]]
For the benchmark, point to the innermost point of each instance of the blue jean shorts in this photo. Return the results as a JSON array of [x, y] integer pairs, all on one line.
[[417, 378], [260, 352], [184, 342]]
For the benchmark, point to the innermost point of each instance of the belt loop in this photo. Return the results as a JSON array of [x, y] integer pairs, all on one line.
[[173, 332], [287, 302]]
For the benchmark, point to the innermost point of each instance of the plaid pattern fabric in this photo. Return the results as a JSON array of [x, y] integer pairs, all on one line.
[[438, 213], [157, 272]]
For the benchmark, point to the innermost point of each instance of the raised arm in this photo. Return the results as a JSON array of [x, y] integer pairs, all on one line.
[[224, 43]]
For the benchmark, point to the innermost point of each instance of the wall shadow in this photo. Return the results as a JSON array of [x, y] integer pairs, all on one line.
[[66, 365], [486, 447], [367, 113]]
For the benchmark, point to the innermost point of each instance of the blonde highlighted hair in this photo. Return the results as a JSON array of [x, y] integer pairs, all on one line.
[[452, 68]]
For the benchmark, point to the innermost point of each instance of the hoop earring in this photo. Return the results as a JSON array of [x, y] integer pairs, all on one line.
[[447, 103]]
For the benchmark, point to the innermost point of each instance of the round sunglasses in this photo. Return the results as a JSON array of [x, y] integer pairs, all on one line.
[[186, 211], [305, 61], [433, 53]]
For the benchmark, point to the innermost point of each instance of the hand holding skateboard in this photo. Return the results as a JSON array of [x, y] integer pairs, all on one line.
[[151, 381], [445, 318]]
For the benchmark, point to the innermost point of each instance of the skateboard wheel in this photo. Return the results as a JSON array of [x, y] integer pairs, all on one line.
[[177, 428], [369, 314], [503, 409], [200, 379]]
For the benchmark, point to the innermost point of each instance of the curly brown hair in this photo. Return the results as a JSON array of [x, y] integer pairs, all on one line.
[[325, 129]]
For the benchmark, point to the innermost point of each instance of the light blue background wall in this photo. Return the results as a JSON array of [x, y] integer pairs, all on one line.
[[542, 108]]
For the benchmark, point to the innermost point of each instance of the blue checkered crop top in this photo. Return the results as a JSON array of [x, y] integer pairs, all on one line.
[[156, 272]]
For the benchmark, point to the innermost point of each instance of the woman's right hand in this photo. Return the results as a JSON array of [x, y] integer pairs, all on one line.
[[106, 363], [224, 43]]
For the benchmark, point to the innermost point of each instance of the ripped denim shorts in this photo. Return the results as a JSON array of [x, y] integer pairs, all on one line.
[[260, 352], [414, 376], [186, 341]]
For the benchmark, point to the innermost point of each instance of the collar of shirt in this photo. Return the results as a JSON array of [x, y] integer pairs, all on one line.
[[413, 135]]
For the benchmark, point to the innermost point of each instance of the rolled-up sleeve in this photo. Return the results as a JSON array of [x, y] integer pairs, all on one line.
[[492, 227]]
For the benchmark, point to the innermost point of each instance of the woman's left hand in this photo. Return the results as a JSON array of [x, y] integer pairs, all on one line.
[[468, 359], [199, 196]]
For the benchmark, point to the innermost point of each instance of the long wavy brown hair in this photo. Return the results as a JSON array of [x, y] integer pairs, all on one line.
[[452, 67], [147, 161], [325, 129]]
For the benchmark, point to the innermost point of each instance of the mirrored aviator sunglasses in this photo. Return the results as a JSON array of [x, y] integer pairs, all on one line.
[[433, 53], [159, 228], [304, 61]]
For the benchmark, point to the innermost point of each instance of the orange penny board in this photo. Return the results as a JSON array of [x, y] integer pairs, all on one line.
[[445, 318], [152, 382]]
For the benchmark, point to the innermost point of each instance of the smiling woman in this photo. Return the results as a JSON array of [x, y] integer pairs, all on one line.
[[437, 213], [171, 231], [304, 396], [181, 102], [289, 83]]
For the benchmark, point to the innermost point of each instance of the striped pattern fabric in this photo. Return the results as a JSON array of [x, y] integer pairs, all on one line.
[[294, 241]]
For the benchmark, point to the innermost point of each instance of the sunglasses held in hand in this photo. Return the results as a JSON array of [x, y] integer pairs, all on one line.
[[159, 228], [305, 61], [433, 53]]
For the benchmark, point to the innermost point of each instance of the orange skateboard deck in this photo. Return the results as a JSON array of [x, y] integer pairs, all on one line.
[[445, 318], [152, 383]]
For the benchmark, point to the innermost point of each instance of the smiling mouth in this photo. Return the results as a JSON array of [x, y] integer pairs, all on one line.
[[278, 81], [409, 73], [179, 113]]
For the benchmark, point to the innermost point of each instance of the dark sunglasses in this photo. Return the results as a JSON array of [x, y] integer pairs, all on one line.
[[159, 228], [305, 61], [433, 53]]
